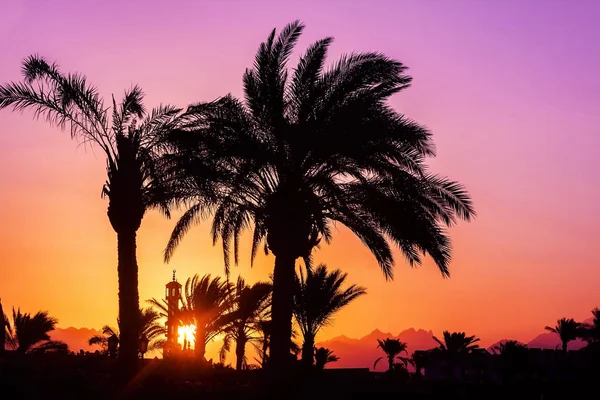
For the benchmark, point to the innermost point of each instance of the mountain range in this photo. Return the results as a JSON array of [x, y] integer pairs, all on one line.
[[353, 352]]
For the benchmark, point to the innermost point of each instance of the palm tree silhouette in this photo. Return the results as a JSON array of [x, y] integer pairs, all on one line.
[[248, 305], [509, 347], [206, 303], [262, 345], [590, 332], [129, 138], [309, 148], [317, 297], [457, 343], [150, 327], [324, 356], [392, 349], [30, 334], [4, 329], [455, 347], [567, 329]]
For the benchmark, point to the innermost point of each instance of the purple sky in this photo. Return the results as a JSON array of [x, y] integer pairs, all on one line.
[[510, 89]]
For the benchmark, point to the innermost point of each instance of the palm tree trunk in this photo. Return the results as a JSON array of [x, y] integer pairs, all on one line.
[[129, 307], [308, 350], [240, 353], [564, 346], [200, 343], [281, 335]]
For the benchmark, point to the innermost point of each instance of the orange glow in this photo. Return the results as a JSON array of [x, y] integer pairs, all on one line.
[[186, 332]]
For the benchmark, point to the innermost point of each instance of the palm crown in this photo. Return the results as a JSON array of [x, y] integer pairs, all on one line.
[[392, 349], [567, 329], [457, 343], [30, 333], [309, 148], [318, 295]]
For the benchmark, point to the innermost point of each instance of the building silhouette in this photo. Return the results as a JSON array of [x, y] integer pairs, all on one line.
[[173, 297]]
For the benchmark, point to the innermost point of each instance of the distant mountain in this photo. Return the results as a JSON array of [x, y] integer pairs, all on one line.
[[362, 353], [75, 338], [549, 340]]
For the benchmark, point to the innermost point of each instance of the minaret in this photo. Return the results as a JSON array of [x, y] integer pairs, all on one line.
[[173, 295]]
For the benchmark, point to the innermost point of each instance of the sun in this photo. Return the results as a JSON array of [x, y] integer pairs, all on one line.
[[186, 332]]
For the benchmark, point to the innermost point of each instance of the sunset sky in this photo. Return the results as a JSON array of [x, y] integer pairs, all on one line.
[[510, 90]]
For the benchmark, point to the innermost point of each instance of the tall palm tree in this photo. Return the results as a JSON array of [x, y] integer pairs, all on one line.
[[308, 148], [206, 305], [324, 356], [317, 297], [129, 137], [248, 305], [567, 329], [31, 333], [392, 349], [150, 327]]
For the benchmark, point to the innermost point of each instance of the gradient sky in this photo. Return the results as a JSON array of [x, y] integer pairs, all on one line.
[[510, 89]]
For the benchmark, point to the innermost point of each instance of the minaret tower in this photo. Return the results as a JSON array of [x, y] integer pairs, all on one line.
[[173, 295]]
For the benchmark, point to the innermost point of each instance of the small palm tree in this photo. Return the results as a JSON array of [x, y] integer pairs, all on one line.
[[457, 343], [206, 303], [318, 296], [129, 137], [5, 330], [590, 332], [248, 304], [324, 356], [455, 348], [151, 328], [310, 148], [263, 328], [567, 329], [31, 333], [102, 340], [509, 347], [392, 349]]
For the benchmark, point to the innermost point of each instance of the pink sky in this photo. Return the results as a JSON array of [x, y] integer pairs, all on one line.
[[510, 89]]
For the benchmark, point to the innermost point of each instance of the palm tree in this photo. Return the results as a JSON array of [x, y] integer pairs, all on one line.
[[457, 343], [248, 304], [317, 297], [31, 333], [130, 139], [151, 328], [324, 356], [309, 148], [102, 340], [455, 347], [4, 329], [262, 345], [206, 304], [263, 328], [509, 347], [567, 329], [590, 332], [392, 349]]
